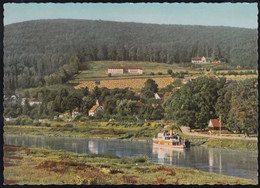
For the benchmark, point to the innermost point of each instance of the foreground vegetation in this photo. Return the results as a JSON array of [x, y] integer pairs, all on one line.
[[44, 166]]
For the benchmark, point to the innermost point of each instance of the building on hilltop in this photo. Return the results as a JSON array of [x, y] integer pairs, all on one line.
[[198, 60], [125, 69]]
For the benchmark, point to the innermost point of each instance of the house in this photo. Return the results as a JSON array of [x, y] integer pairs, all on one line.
[[23, 101], [125, 69], [158, 96], [139, 104], [186, 80], [158, 107], [33, 101], [214, 77], [94, 110], [233, 83], [100, 102], [140, 95], [215, 124], [10, 119], [202, 60], [166, 94], [215, 62]]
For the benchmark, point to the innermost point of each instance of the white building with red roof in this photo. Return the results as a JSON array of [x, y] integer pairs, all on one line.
[[94, 110]]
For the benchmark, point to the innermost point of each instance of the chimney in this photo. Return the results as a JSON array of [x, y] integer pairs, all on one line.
[[170, 132]]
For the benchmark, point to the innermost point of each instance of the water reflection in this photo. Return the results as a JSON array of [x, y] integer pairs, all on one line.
[[234, 163]]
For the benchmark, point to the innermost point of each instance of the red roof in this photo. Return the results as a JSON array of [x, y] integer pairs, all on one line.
[[125, 67], [167, 93], [216, 123], [234, 82], [140, 95], [196, 59], [214, 77], [93, 108], [139, 104], [34, 100]]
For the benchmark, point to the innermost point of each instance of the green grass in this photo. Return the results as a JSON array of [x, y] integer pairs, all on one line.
[[34, 166], [118, 130], [97, 70], [246, 145]]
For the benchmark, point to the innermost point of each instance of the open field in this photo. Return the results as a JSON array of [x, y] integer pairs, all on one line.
[[44, 166], [97, 71], [136, 83], [99, 68]]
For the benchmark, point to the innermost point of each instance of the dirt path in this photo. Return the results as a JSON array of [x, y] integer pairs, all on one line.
[[186, 130]]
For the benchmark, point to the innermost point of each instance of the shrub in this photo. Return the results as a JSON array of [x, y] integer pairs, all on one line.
[[104, 155], [68, 125], [152, 73], [109, 74], [37, 124], [160, 73], [46, 124], [141, 159], [169, 71]]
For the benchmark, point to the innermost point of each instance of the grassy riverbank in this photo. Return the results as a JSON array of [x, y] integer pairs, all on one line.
[[245, 145], [44, 166], [127, 130]]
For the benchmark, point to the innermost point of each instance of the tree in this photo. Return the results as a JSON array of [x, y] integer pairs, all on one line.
[[150, 85], [72, 102], [243, 114], [169, 71], [194, 103]]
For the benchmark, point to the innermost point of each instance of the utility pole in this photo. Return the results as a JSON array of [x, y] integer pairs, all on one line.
[[220, 123]]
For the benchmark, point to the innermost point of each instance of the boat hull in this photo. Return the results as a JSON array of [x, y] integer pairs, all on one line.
[[172, 146]]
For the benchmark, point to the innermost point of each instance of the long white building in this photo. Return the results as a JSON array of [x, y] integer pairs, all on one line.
[[122, 70]]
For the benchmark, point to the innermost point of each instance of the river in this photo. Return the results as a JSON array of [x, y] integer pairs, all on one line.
[[242, 164]]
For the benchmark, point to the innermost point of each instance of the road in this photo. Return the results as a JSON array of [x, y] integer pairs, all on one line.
[[186, 130]]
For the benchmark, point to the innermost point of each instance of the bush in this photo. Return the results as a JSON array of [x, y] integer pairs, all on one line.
[[159, 73], [46, 125], [104, 155], [152, 73], [37, 124], [109, 74], [68, 125], [169, 71], [141, 159]]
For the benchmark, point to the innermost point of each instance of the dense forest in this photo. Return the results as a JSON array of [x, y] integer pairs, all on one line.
[[35, 49]]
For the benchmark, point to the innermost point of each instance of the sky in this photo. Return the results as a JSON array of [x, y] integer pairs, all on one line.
[[211, 14]]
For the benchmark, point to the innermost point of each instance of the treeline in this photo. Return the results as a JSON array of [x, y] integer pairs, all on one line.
[[205, 98], [118, 104], [35, 49]]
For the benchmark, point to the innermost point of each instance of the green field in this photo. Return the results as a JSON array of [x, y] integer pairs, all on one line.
[[98, 70]]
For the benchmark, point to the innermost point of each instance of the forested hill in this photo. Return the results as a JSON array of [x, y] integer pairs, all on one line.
[[36, 48]]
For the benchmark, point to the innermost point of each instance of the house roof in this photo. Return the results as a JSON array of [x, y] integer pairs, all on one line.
[[196, 59], [34, 100], [215, 123], [139, 104], [139, 95], [167, 93], [234, 82], [93, 109], [126, 67], [214, 77]]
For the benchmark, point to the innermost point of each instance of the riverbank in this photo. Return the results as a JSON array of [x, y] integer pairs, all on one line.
[[45, 166], [124, 131]]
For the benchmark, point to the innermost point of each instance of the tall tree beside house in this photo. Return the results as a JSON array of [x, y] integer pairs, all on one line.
[[194, 103], [243, 115]]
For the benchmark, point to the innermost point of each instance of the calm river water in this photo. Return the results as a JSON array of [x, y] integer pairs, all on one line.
[[242, 164]]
